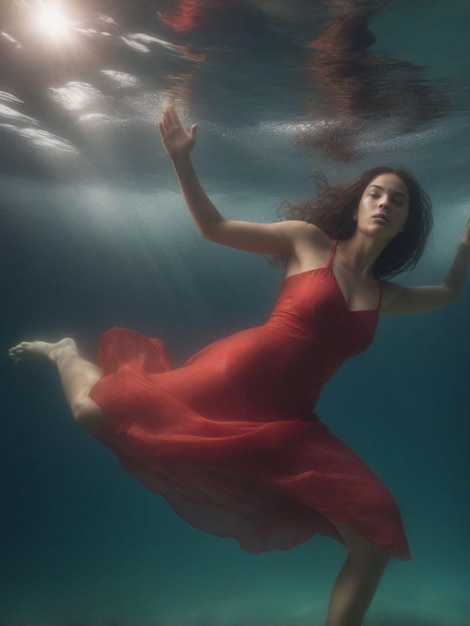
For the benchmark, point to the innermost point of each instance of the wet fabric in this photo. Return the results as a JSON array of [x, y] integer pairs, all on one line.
[[230, 438]]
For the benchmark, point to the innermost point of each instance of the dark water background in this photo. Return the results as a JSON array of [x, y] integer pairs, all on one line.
[[94, 234]]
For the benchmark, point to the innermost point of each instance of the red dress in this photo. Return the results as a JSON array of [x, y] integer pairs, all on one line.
[[229, 438]]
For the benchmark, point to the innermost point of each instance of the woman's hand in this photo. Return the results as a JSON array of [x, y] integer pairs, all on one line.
[[176, 141]]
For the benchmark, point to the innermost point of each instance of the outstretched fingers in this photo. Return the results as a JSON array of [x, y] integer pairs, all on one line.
[[169, 120], [176, 140], [173, 116]]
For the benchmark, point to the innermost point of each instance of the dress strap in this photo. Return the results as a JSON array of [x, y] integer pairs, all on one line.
[[332, 255]]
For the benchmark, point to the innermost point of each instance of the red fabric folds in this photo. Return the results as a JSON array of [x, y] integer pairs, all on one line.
[[229, 438]]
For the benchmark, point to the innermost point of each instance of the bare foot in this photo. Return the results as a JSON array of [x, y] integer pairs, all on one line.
[[39, 350]]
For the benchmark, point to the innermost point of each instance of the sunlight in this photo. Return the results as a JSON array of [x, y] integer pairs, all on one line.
[[52, 21]]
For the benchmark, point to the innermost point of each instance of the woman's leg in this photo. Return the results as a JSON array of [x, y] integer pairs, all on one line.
[[358, 579], [77, 376]]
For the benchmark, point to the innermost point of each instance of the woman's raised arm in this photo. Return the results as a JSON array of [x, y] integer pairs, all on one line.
[[398, 299], [273, 238]]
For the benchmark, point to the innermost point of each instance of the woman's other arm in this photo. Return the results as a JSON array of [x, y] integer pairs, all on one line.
[[398, 299]]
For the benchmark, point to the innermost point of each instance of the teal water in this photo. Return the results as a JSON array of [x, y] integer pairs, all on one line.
[[95, 234]]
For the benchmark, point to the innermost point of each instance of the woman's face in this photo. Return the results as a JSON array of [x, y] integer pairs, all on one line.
[[384, 205]]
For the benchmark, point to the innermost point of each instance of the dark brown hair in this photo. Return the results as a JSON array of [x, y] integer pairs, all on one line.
[[333, 211]]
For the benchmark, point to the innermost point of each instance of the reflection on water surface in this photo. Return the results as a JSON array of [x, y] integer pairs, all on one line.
[[80, 80]]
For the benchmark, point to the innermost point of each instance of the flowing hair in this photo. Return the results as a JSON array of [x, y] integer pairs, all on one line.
[[333, 212]]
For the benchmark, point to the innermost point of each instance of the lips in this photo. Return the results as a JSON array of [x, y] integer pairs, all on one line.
[[380, 216]]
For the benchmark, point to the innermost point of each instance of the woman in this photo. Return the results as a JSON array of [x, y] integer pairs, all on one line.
[[229, 438]]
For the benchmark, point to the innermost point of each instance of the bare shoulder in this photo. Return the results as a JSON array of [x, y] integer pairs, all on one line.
[[311, 247], [306, 232], [390, 291]]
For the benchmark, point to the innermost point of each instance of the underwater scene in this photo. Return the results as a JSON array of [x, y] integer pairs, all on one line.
[[96, 235]]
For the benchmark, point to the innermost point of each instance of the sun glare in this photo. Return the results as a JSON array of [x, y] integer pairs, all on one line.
[[52, 21]]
